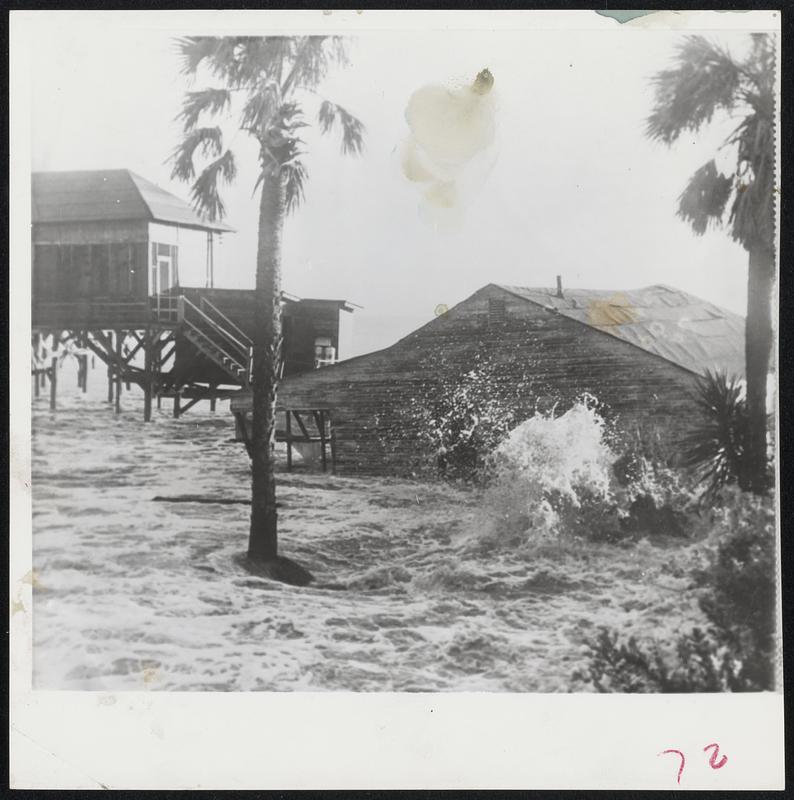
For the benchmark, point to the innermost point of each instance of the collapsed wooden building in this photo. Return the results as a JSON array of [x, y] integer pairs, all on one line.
[[638, 352], [124, 271]]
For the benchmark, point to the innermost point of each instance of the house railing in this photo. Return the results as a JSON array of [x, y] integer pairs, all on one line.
[[165, 307]]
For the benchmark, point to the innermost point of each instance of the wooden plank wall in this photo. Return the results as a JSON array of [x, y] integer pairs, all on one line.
[[540, 358], [76, 264]]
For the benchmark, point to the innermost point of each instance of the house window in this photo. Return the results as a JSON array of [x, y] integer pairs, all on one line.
[[324, 352], [162, 253]]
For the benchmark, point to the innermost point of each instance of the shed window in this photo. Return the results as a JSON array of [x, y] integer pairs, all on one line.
[[324, 352]]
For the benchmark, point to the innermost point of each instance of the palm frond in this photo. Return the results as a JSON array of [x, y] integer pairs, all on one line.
[[311, 62], [211, 101], [205, 192], [704, 79], [337, 50], [295, 177], [261, 106], [263, 57], [704, 200], [193, 50], [224, 61], [208, 140], [312, 57], [760, 64], [752, 212], [352, 127], [280, 142]]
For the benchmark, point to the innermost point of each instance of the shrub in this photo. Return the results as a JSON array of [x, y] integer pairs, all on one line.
[[740, 583], [699, 664], [738, 591]]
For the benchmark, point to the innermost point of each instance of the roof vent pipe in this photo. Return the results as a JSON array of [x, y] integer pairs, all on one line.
[[559, 286]]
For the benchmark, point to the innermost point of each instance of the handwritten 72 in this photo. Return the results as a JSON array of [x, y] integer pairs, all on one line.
[[715, 761]]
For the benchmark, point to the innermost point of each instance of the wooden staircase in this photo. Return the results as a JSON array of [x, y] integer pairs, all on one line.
[[217, 337]]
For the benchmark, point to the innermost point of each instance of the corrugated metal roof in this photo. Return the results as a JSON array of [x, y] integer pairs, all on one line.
[[668, 322], [108, 195]]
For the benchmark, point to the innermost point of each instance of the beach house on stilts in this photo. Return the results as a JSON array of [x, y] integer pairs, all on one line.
[[124, 270]]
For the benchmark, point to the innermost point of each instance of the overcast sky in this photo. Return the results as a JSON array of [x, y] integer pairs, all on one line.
[[569, 186]]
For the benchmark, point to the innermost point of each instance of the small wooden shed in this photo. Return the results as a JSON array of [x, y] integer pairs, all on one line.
[[639, 352]]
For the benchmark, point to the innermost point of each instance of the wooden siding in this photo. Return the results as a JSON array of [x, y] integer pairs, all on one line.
[[91, 232], [554, 359]]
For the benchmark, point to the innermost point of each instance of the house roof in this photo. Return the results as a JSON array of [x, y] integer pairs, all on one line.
[[343, 305], [665, 321], [109, 195]]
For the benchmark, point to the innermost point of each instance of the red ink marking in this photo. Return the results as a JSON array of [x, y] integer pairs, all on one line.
[[683, 761], [713, 763]]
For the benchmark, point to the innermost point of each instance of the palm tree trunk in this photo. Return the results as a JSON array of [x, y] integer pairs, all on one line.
[[758, 348], [263, 540]]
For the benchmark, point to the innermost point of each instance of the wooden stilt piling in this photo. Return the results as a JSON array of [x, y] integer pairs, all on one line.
[[147, 376], [84, 360], [320, 419], [53, 381], [177, 401], [331, 441], [110, 369], [289, 442], [119, 343], [42, 360]]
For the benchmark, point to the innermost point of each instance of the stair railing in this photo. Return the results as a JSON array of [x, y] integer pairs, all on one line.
[[198, 321], [244, 342], [228, 324]]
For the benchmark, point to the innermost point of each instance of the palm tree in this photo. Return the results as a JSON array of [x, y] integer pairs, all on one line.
[[267, 83], [705, 80]]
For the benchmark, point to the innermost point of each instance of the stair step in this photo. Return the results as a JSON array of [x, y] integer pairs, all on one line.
[[217, 354]]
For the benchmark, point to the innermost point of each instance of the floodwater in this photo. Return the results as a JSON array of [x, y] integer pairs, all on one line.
[[134, 594]]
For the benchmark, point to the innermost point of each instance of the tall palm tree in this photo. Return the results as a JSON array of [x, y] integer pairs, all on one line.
[[707, 79], [266, 84]]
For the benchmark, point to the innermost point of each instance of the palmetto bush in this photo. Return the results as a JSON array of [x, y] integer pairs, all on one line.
[[716, 449]]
